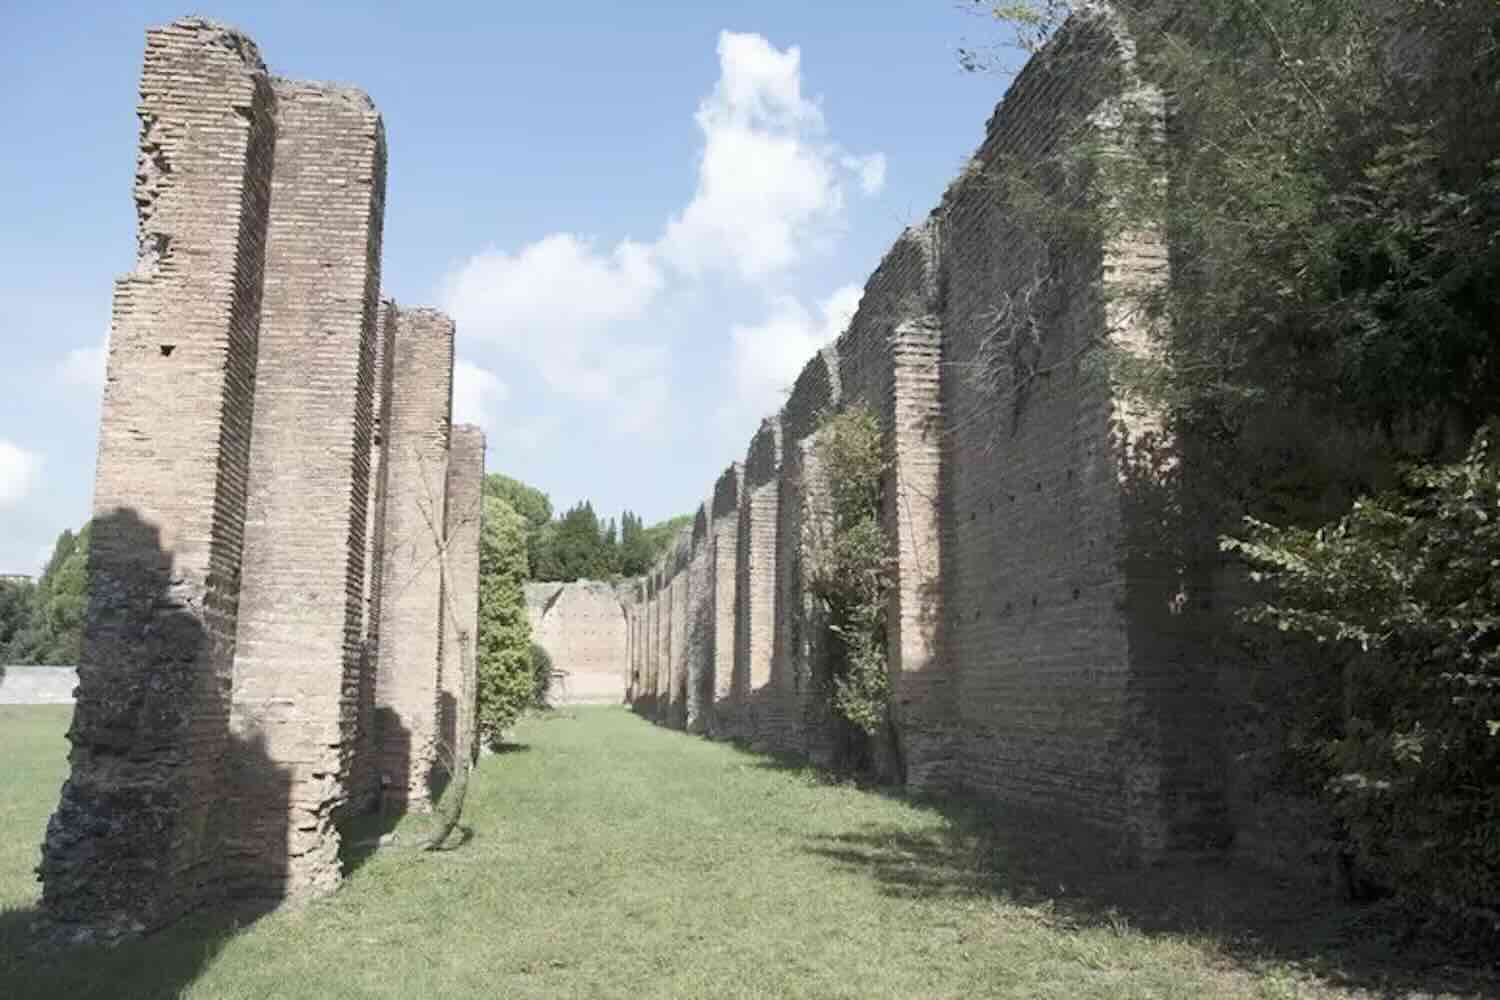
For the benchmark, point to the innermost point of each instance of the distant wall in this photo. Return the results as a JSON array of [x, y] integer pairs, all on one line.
[[37, 685], [582, 626]]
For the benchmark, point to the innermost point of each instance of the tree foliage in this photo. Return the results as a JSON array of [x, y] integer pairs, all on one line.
[[1331, 200], [1408, 584], [503, 652], [42, 623], [852, 566], [1329, 190]]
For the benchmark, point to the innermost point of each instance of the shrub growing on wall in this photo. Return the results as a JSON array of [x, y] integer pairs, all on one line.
[[503, 655], [851, 567]]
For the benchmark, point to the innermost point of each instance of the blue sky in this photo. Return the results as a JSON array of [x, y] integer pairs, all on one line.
[[644, 217]]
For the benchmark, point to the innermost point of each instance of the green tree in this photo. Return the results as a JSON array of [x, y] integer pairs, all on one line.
[[579, 545], [16, 598], [505, 684], [635, 547], [53, 632], [528, 501]]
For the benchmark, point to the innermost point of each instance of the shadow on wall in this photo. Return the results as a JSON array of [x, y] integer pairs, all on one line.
[[1174, 759], [145, 833], [1024, 858], [440, 773]]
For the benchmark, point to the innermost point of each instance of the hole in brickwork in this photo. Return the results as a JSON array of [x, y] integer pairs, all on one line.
[[1076, 593], [167, 349]]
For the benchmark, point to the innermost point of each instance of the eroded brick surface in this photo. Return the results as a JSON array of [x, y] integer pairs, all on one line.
[[583, 626], [299, 655], [407, 694], [465, 489], [138, 836]]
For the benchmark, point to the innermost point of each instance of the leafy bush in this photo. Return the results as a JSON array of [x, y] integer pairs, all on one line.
[[540, 676], [1409, 584], [851, 565], [503, 655]]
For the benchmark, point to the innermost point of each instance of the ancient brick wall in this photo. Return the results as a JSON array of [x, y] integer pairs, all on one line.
[[679, 588], [298, 653], [364, 778], [725, 526], [582, 625], [756, 590], [700, 625], [406, 692], [138, 834], [1040, 650], [260, 410], [814, 394], [462, 509]]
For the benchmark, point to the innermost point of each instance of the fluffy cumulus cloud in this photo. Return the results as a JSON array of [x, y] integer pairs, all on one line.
[[766, 357], [769, 182], [771, 185], [19, 471]]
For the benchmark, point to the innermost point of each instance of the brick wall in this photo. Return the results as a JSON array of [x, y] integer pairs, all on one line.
[[138, 834], [583, 626], [462, 510], [298, 650], [406, 692], [1040, 651]]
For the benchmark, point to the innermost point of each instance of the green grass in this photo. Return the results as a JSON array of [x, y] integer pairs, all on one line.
[[610, 858]]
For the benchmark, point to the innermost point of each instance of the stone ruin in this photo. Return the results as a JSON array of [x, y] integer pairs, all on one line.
[[271, 642], [1046, 632], [582, 626]]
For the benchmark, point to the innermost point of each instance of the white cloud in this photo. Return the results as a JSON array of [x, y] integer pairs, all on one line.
[[588, 318], [84, 366], [767, 357], [769, 183], [19, 470], [553, 304], [476, 391]]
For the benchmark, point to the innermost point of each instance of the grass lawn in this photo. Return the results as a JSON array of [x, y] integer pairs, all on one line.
[[610, 858]]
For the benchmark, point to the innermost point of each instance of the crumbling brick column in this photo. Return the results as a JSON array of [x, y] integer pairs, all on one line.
[[681, 555], [298, 651], [461, 601], [700, 623], [137, 836], [725, 526], [921, 687], [406, 691], [757, 580], [364, 779]]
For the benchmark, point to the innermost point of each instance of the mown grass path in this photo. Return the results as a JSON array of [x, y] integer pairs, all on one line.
[[610, 858]]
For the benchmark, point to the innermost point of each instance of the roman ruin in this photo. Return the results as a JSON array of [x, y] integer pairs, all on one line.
[[278, 478], [1039, 652]]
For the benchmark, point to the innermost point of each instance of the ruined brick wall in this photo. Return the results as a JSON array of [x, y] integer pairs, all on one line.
[[790, 690], [1039, 647], [725, 528], [680, 587], [364, 778], [462, 510], [260, 411], [700, 625], [582, 625], [756, 590], [406, 691], [298, 650], [138, 834]]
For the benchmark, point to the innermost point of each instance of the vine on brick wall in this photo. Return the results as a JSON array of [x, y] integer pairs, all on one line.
[[851, 566]]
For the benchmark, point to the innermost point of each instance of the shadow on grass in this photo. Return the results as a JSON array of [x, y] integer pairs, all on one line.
[[1252, 916], [159, 966]]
